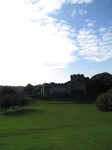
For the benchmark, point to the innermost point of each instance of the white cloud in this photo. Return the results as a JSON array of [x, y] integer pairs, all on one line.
[[33, 44], [91, 24], [79, 1], [74, 12], [102, 29], [50, 6], [81, 12], [95, 46], [87, 20]]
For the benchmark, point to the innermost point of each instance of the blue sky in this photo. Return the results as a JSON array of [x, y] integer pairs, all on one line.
[[47, 41]]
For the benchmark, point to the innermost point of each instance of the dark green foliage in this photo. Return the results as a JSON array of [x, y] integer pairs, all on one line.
[[37, 90], [28, 89], [6, 102], [1, 87], [14, 101], [32, 91], [12, 97], [104, 101], [8, 90], [100, 83], [22, 101], [8, 97]]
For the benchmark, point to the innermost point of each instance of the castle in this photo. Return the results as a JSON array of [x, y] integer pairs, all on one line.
[[77, 83]]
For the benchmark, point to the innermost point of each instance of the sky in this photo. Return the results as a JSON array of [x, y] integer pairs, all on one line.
[[44, 41]]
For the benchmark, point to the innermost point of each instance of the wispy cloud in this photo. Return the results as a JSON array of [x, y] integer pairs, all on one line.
[[81, 12], [95, 46], [78, 1], [91, 24], [50, 6], [74, 12]]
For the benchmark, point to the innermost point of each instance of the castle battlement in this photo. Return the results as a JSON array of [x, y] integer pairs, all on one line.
[[77, 83]]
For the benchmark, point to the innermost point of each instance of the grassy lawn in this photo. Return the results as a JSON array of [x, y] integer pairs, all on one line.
[[56, 126]]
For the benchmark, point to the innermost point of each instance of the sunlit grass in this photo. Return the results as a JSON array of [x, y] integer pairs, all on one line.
[[56, 126]]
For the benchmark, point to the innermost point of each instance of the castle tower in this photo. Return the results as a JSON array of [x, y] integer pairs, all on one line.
[[78, 82]]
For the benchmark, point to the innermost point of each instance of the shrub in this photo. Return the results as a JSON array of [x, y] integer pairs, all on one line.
[[104, 101]]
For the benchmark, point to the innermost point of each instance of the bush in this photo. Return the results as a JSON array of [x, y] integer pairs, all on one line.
[[104, 101]]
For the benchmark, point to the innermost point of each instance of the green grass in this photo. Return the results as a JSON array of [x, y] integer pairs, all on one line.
[[56, 126]]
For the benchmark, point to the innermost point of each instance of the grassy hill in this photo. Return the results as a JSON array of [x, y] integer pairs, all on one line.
[[56, 126]]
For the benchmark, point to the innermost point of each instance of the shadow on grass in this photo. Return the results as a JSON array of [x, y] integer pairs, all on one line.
[[22, 112]]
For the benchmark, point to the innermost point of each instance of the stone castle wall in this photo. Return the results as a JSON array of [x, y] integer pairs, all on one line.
[[76, 83]]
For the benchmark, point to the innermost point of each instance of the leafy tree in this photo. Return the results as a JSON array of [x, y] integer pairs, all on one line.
[[1, 87], [28, 89], [6, 102], [9, 93], [22, 101], [8, 90], [11, 97], [37, 90], [104, 101], [100, 83], [14, 101]]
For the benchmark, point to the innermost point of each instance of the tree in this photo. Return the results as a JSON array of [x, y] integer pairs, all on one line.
[[5, 102], [22, 101], [28, 89], [8, 90], [14, 101], [100, 83], [37, 90], [104, 101], [11, 97], [9, 93]]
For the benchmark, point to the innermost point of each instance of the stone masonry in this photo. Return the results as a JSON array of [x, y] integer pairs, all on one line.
[[76, 83]]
